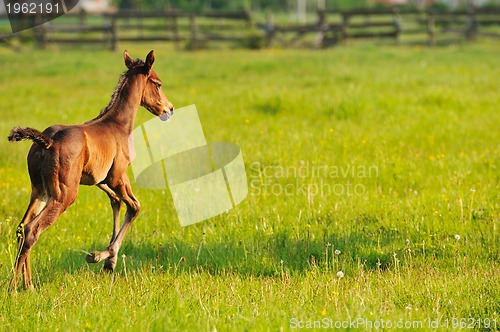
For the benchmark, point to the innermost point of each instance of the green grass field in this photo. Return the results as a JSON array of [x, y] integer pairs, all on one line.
[[373, 173]]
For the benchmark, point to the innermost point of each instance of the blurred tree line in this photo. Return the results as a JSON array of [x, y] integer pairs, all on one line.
[[235, 5], [274, 5]]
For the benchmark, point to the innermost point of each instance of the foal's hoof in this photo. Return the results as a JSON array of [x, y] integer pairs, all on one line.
[[93, 257], [12, 288], [108, 266]]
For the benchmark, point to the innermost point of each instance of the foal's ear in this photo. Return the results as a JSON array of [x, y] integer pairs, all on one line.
[[128, 59], [150, 59]]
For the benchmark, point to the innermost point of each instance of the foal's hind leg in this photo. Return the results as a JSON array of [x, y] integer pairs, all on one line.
[[61, 195], [37, 203], [32, 232], [124, 192]]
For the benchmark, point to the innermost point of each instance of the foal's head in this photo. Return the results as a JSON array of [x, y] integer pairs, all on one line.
[[153, 98]]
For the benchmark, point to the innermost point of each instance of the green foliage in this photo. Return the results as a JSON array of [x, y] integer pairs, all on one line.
[[232, 5], [418, 243]]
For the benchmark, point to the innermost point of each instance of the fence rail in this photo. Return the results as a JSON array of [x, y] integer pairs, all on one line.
[[197, 30]]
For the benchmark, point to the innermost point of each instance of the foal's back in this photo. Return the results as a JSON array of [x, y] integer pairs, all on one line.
[[88, 150]]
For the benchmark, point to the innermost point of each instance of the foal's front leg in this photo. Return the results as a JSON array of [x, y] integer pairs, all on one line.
[[124, 192], [116, 204]]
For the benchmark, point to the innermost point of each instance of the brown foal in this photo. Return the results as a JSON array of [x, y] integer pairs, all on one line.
[[94, 153]]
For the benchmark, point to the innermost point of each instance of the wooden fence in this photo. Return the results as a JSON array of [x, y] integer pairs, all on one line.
[[197, 30], [469, 24], [338, 27]]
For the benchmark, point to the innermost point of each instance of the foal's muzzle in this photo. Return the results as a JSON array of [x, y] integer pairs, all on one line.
[[167, 113]]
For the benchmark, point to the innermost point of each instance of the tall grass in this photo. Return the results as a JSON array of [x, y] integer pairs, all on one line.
[[412, 132]]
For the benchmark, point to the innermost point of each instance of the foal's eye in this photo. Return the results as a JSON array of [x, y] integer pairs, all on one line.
[[157, 83]]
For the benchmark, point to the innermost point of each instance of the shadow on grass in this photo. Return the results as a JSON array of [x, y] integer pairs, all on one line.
[[262, 255], [364, 242]]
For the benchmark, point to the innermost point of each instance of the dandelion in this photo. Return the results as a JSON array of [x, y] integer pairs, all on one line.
[[457, 237], [407, 242], [337, 252], [323, 313], [340, 274]]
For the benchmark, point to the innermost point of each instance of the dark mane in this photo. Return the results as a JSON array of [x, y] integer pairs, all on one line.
[[114, 97], [116, 93]]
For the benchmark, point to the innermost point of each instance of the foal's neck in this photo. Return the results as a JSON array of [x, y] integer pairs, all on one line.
[[124, 103]]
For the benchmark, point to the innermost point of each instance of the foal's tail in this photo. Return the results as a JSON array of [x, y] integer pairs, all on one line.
[[19, 134]]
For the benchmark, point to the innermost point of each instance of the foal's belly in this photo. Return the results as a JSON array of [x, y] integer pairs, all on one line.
[[97, 167], [90, 179]]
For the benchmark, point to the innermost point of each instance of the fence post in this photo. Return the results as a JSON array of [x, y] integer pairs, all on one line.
[[471, 29], [140, 26], [270, 29], [344, 26], [248, 18], [194, 32], [40, 38], [82, 15], [39, 32], [321, 16], [175, 29], [431, 26], [322, 28], [114, 34], [397, 23]]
